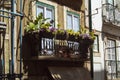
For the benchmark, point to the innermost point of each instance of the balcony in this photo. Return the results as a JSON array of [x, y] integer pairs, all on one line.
[[52, 43], [58, 47]]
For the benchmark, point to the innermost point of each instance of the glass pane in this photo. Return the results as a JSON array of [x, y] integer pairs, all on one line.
[[110, 1], [49, 14], [95, 48], [108, 43], [40, 10], [69, 21], [95, 41], [109, 56], [111, 50], [113, 43], [76, 24]]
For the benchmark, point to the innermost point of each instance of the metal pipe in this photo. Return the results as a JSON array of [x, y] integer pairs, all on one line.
[[3, 46], [116, 60], [21, 39], [12, 35], [5, 16], [13, 13], [90, 30]]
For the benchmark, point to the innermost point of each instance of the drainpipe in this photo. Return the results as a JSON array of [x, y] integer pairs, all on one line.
[[12, 36], [90, 30], [21, 17]]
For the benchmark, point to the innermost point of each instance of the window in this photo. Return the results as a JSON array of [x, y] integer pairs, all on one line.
[[111, 50], [110, 10], [96, 44], [46, 9], [110, 61], [73, 21]]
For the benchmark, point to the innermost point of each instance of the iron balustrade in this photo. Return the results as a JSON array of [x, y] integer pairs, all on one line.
[[55, 47]]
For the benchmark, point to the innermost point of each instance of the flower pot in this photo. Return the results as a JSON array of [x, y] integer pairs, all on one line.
[[45, 34], [32, 37], [72, 38], [85, 44], [61, 36], [33, 40]]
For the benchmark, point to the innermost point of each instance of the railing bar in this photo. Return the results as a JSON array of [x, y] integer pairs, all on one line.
[[43, 43], [49, 44], [52, 44]]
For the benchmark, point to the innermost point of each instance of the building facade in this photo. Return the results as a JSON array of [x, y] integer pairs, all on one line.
[[105, 22], [17, 59]]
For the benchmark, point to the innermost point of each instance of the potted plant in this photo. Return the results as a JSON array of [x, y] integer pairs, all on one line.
[[40, 26], [72, 36], [47, 32], [37, 29], [61, 34], [85, 41]]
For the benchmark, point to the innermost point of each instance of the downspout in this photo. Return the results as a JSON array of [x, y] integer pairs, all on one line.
[[90, 30], [12, 36], [21, 17], [116, 59]]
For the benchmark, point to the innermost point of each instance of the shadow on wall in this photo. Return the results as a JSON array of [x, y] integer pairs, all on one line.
[[98, 75], [2, 52], [76, 5], [33, 69]]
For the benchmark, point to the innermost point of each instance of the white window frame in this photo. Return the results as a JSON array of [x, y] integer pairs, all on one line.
[[73, 16], [96, 43]]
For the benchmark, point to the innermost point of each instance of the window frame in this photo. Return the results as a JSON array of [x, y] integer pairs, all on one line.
[[110, 10], [73, 15], [45, 7], [110, 48], [96, 37], [110, 60]]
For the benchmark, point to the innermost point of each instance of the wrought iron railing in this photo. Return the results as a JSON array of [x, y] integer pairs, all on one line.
[[58, 47], [112, 69]]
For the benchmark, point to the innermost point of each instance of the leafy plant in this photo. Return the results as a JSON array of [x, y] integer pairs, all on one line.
[[40, 22], [92, 35], [58, 25], [60, 31], [70, 32], [83, 30], [31, 27], [86, 35]]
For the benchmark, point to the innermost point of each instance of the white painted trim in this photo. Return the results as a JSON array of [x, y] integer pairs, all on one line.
[[65, 19]]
